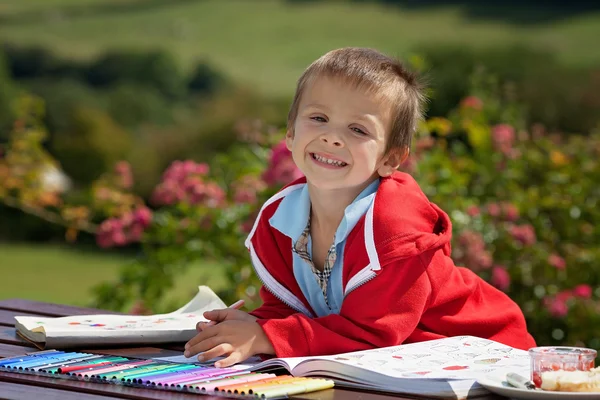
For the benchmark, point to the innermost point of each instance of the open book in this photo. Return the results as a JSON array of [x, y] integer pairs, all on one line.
[[91, 330], [442, 368]]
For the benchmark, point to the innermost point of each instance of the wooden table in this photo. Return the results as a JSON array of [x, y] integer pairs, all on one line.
[[18, 386]]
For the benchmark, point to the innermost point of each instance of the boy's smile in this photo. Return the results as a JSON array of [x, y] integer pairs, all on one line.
[[328, 161], [339, 136]]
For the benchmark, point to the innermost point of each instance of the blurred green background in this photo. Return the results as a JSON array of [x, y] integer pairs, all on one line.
[[152, 81]]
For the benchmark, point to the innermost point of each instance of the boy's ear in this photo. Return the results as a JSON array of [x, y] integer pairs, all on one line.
[[289, 138], [392, 161]]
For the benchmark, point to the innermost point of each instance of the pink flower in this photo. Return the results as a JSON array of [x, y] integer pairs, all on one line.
[[119, 238], [473, 211], [558, 308], [201, 169], [483, 259], [104, 235], [493, 209], [564, 295], [583, 291], [245, 190], [511, 212], [557, 261], [135, 233], [215, 195], [472, 251], [126, 219], [143, 216], [471, 240], [471, 102], [104, 241], [281, 169], [524, 234], [500, 278], [123, 172], [244, 196], [503, 138]]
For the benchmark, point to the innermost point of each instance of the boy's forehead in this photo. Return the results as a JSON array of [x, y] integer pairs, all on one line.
[[325, 89]]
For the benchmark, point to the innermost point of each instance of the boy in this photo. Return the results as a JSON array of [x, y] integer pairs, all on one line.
[[354, 256]]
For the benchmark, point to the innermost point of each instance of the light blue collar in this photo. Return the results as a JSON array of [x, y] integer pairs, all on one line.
[[293, 212]]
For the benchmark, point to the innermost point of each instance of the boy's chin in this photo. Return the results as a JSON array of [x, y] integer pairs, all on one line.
[[339, 185]]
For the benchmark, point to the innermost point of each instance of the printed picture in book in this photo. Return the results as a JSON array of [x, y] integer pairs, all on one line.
[[113, 323], [456, 359]]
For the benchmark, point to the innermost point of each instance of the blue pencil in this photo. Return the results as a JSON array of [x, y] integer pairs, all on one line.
[[27, 357], [45, 360]]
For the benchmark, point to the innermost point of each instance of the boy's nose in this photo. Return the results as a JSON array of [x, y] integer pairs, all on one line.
[[332, 140]]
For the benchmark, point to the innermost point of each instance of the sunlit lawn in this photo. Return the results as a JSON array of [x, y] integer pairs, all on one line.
[[65, 275], [268, 43]]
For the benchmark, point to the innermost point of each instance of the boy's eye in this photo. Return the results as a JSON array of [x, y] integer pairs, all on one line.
[[318, 119], [358, 130]]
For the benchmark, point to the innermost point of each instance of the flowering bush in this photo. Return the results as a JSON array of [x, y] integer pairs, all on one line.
[[523, 202], [524, 206]]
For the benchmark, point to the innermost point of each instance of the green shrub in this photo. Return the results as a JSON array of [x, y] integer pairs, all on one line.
[[32, 62], [133, 105], [90, 144], [61, 96], [155, 69], [6, 95], [557, 96], [205, 79]]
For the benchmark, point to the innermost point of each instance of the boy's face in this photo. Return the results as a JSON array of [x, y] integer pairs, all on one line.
[[340, 136]]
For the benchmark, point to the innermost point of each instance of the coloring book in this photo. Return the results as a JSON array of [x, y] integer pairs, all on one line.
[[445, 368], [92, 330]]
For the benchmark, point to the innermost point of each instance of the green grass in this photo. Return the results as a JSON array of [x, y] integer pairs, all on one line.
[[65, 275], [268, 43]]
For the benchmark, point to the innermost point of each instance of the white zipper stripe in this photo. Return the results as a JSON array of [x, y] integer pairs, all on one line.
[[361, 277], [275, 287], [273, 199], [370, 239], [367, 273]]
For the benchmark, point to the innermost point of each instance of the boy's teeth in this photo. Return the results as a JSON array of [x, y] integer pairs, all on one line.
[[328, 161]]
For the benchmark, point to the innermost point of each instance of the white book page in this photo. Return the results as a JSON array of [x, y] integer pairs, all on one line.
[[179, 325], [462, 357]]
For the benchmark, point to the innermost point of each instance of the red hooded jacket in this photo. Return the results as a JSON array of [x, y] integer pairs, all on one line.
[[400, 284]]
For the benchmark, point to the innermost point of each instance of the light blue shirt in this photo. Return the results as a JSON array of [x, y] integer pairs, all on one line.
[[291, 218]]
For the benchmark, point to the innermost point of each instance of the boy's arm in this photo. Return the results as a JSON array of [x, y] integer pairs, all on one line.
[[382, 312]]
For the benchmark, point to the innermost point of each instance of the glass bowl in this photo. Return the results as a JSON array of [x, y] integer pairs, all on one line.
[[555, 358]]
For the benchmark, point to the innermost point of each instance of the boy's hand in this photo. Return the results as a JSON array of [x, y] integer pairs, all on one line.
[[224, 314], [237, 339]]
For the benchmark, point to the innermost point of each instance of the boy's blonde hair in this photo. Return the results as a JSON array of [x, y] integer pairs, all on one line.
[[376, 73]]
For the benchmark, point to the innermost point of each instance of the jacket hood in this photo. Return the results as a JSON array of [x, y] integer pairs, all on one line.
[[405, 222]]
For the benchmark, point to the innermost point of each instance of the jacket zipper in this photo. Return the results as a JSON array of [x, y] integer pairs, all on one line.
[[284, 295], [362, 277]]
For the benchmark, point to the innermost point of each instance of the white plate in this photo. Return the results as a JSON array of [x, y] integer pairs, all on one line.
[[498, 385]]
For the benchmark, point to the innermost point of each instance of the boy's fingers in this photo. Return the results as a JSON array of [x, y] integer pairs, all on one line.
[[204, 335], [201, 325], [217, 315], [217, 351], [203, 347], [233, 358]]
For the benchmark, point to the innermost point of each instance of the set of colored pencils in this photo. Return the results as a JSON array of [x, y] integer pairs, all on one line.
[[227, 382]]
